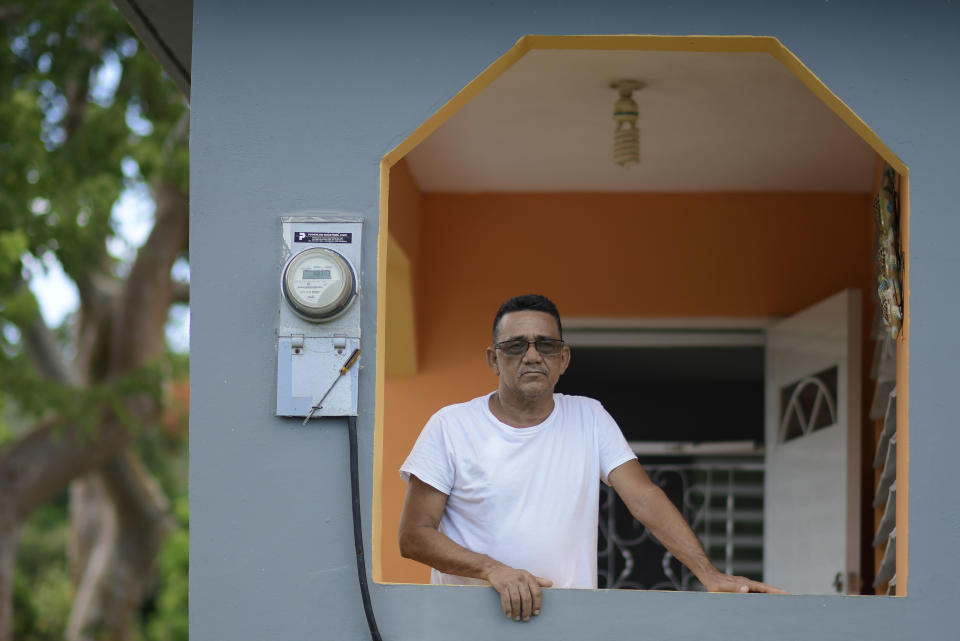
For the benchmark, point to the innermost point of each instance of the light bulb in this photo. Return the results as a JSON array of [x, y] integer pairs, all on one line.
[[626, 135]]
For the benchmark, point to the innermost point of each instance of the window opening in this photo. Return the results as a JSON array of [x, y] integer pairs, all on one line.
[[429, 175]]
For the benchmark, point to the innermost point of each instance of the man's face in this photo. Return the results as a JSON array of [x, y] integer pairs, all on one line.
[[531, 374]]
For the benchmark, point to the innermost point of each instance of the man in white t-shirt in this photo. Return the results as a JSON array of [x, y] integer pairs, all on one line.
[[503, 490]]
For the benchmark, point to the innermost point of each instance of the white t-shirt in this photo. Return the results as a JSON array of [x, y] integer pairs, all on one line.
[[527, 497]]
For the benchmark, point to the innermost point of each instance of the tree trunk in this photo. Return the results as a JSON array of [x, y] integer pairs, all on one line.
[[145, 521], [9, 539], [121, 566], [93, 537], [123, 512], [86, 498]]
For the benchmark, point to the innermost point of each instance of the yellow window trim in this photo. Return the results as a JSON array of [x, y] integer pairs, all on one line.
[[400, 332]]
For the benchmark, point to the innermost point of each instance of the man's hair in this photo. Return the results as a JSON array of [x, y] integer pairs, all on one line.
[[527, 302]]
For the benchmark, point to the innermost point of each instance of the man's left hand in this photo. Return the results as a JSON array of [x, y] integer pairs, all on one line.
[[728, 583]]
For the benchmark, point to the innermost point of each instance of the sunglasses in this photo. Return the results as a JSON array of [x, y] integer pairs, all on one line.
[[519, 346]]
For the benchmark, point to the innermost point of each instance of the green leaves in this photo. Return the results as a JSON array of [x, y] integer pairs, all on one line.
[[170, 622], [13, 244], [41, 583], [80, 96], [19, 307]]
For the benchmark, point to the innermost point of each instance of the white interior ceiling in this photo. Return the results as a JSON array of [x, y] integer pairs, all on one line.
[[708, 122]]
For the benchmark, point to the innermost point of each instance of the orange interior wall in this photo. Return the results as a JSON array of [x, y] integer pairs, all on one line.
[[600, 255]]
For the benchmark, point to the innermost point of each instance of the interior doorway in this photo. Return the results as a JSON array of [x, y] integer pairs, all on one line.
[[725, 421], [690, 400]]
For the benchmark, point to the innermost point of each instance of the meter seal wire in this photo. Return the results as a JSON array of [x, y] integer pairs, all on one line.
[[343, 370]]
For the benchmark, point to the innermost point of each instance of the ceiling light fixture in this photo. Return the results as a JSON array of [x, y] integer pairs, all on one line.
[[626, 136]]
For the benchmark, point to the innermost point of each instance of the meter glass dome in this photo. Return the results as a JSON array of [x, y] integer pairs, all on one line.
[[319, 284]]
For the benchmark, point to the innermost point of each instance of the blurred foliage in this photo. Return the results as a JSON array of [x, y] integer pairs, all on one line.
[[42, 589], [168, 622], [67, 159], [86, 114]]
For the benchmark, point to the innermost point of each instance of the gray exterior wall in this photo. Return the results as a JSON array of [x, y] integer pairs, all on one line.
[[294, 103]]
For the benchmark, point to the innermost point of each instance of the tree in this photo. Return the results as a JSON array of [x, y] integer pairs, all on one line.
[[85, 113]]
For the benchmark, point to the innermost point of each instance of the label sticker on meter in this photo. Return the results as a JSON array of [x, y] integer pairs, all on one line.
[[322, 237]]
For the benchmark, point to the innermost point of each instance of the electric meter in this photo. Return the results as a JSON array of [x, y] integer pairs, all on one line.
[[319, 284], [318, 327]]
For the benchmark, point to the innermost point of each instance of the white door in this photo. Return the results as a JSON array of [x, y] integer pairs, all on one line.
[[811, 488]]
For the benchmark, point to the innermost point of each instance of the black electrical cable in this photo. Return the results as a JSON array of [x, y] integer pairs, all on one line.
[[358, 530]]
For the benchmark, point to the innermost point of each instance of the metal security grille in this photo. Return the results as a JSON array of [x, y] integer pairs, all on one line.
[[722, 501]]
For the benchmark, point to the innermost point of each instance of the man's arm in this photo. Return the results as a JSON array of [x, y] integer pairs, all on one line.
[[420, 540], [649, 505]]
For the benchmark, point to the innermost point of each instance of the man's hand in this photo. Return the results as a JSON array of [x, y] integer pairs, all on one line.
[[520, 592], [720, 582]]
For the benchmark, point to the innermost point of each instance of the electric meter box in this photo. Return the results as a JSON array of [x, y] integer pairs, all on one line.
[[319, 326]]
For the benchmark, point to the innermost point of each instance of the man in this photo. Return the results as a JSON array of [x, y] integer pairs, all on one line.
[[504, 489]]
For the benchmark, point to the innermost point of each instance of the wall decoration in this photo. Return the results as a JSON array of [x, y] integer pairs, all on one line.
[[886, 206]]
